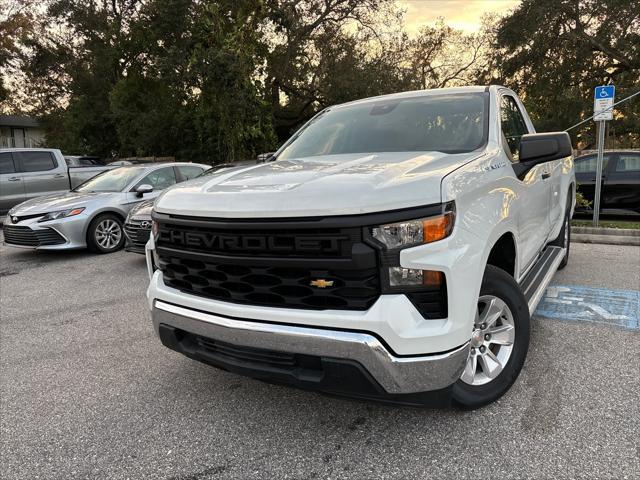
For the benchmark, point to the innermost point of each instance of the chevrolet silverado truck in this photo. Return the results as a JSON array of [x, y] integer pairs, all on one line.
[[27, 173], [394, 248]]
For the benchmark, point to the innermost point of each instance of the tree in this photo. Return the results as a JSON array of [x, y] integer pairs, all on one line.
[[16, 23], [298, 32], [554, 52]]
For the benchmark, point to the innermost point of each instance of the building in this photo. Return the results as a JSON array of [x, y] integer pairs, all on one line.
[[19, 131]]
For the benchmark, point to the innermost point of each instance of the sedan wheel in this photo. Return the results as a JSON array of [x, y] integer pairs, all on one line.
[[105, 234], [108, 234]]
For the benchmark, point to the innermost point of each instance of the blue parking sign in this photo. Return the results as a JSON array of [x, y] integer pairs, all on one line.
[[606, 91]]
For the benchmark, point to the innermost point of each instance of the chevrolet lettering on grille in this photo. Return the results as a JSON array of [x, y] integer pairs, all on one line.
[[251, 243]]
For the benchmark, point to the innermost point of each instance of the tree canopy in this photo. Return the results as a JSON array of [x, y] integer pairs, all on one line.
[[222, 80]]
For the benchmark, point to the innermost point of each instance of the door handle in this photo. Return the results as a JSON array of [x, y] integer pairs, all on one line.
[[59, 175], [545, 175], [14, 179]]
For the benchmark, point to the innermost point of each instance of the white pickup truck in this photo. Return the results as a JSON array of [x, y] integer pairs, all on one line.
[[27, 173], [394, 248]]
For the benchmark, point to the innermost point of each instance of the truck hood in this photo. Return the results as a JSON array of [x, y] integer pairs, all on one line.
[[314, 186], [59, 201]]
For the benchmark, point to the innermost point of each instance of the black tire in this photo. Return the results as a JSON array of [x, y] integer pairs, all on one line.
[[92, 241], [498, 283], [564, 237]]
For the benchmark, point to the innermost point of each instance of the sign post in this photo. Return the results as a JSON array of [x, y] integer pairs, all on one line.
[[603, 111]]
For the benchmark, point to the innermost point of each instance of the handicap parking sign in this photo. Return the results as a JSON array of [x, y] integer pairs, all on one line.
[[607, 91], [603, 102]]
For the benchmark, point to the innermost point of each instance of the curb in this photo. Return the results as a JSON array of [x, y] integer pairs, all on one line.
[[617, 232], [606, 236]]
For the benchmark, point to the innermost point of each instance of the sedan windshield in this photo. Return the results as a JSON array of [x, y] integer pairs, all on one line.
[[451, 123], [111, 180]]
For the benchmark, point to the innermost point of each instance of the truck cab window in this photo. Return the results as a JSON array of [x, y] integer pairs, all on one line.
[[6, 163], [513, 125], [37, 161]]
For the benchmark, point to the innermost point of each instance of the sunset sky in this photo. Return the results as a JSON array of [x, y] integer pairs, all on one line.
[[461, 14]]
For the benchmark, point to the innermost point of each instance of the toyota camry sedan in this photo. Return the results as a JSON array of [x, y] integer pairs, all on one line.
[[92, 214]]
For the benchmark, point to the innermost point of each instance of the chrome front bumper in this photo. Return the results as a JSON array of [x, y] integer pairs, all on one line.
[[396, 375]]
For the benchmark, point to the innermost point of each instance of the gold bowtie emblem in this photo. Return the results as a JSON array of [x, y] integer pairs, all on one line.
[[322, 283]]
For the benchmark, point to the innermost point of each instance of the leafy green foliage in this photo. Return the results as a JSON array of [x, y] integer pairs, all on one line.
[[222, 80], [554, 52]]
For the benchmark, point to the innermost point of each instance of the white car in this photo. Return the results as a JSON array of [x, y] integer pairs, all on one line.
[[394, 249]]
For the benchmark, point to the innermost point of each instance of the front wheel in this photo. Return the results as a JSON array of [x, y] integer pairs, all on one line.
[[105, 234], [499, 341]]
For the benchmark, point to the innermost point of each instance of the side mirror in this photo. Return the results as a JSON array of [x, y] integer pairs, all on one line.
[[144, 188], [265, 157], [545, 147], [537, 148]]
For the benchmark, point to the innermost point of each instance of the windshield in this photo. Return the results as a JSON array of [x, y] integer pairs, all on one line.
[[110, 181], [451, 123]]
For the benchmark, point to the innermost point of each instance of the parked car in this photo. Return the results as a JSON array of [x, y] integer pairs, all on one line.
[[123, 163], [137, 227], [92, 214], [84, 161], [620, 181], [226, 166], [27, 173], [394, 249]]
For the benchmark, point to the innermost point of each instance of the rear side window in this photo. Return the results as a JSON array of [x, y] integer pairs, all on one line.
[[37, 161], [589, 164], [190, 171], [628, 163], [513, 125], [6, 163]]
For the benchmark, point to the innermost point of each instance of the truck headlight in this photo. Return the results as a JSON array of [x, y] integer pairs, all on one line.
[[61, 214], [416, 232]]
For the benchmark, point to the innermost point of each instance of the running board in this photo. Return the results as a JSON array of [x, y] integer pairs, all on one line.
[[538, 278]]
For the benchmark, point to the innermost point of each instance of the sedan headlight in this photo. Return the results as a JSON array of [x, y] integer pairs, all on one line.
[[61, 214], [416, 232]]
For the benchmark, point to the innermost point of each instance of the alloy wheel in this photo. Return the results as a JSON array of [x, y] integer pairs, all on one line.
[[491, 341], [108, 234]]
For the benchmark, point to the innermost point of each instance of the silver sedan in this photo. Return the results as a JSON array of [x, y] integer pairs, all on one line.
[[92, 214]]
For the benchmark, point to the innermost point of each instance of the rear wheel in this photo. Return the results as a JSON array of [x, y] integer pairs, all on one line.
[[105, 234], [499, 341]]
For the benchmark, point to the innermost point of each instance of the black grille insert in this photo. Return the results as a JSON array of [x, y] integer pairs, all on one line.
[[272, 286], [27, 237]]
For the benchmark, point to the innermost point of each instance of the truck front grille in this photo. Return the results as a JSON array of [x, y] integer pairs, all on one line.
[[270, 264], [272, 286], [27, 237]]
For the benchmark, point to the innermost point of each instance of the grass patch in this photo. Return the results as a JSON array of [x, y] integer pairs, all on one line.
[[635, 225]]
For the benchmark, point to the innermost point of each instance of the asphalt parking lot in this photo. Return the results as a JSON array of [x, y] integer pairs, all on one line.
[[87, 391]]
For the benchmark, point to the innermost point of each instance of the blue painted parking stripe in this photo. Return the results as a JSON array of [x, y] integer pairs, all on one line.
[[595, 305]]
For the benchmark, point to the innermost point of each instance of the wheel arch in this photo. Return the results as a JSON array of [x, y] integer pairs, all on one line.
[[97, 213], [503, 253]]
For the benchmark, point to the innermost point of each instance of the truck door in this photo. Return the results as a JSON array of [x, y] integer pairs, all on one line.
[[533, 213], [42, 174], [11, 183], [557, 207]]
